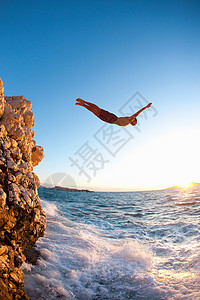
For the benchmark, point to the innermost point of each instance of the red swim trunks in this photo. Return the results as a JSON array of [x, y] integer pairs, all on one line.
[[106, 116]]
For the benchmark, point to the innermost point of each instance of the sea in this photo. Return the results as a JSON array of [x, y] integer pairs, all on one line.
[[120, 245]]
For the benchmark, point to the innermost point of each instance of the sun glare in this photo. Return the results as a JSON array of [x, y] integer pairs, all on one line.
[[186, 185]]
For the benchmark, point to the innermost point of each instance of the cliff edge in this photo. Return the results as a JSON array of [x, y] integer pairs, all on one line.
[[22, 220]]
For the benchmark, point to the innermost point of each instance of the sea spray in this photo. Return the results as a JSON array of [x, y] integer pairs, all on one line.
[[129, 246]]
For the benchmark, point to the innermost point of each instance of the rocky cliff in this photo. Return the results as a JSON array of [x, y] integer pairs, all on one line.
[[22, 220]]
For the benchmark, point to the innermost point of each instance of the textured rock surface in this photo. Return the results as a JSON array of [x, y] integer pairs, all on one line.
[[22, 220]]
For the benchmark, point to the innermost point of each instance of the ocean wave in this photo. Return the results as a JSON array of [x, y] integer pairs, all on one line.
[[50, 208], [96, 248], [83, 263]]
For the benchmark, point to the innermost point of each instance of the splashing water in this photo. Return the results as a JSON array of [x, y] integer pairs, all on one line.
[[141, 245]]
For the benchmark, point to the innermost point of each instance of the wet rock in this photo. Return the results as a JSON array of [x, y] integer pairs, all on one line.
[[32, 254]]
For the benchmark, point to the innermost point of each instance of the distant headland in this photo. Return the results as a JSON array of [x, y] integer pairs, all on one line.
[[193, 184], [61, 188]]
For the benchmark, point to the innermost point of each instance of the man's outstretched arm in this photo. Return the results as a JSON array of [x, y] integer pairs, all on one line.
[[139, 111]]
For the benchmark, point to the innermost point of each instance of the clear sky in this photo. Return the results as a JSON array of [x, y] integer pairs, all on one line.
[[105, 52]]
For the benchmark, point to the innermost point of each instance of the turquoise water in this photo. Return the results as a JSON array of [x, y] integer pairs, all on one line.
[[139, 245]]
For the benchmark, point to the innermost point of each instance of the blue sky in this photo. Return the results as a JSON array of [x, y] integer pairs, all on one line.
[[53, 52]]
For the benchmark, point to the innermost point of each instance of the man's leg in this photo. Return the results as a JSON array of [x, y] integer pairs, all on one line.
[[90, 106]]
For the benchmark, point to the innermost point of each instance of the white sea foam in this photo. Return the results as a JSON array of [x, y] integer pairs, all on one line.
[[88, 258], [82, 262], [49, 208]]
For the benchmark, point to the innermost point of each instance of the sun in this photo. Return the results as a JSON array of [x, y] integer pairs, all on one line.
[[186, 185]]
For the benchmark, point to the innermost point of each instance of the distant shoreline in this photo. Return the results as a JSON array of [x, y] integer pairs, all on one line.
[[180, 187], [61, 188]]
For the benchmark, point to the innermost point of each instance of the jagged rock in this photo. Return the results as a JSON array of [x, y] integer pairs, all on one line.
[[22, 220], [37, 155], [2, 101]]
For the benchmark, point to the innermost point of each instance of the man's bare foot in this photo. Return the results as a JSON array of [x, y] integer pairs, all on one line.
[[80, 100]]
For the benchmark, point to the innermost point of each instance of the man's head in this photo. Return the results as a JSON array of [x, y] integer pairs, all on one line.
[[134, 122]]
